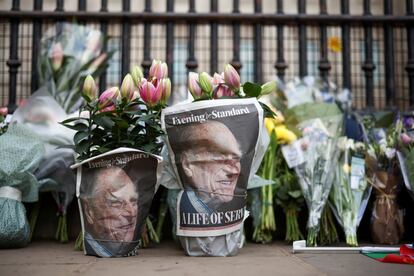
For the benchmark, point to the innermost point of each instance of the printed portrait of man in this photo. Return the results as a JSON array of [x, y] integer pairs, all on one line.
[[209, 160], [110, 211]]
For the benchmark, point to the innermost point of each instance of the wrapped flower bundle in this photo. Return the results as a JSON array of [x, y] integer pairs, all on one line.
[[406, 153], [69, 53], [22, 151], [314, 157], [387, 219], [350, 193], [286, 190]]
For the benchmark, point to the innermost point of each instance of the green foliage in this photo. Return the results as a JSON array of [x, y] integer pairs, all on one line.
[[131, 125]]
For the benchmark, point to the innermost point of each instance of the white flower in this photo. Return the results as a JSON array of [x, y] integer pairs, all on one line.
[[371, 152], [350, 144], [390, 153]]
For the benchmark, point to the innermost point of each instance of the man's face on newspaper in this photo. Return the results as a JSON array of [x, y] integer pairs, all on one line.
[[214, 166], [113, 207]]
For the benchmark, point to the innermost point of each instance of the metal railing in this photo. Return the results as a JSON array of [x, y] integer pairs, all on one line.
[[396, 90]]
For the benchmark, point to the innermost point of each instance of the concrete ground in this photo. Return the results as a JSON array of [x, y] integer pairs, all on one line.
[[50, 258]]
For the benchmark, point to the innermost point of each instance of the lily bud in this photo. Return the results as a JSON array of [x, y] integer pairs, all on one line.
[[4, 111], [127, 87], [135, 95], [166, 90], [193, 86], [109, 108], [137, 75], [406, 139], [218, 79], [205, 81], [57, 56], [94, 43], [223, 91], [89, 91], [108, 97], [150, 94], [231, 77], [158, 70], [269, 87], [97, 62]]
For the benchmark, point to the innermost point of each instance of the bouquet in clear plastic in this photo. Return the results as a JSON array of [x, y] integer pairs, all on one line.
[[405, 153], [68, 54], [350, 191], [314, 156]]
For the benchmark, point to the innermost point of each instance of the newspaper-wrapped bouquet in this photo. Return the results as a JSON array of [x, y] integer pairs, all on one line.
[[215, 146], [117, 142]]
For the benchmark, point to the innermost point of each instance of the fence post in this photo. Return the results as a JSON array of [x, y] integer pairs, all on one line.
[[236, 39], [126, 34], [146, 63], [280, 64], [410, 45], [13, 61], [37, 34], [170, 45], [303, 58], [213, 39], [258, 74], [191, 63], [104, 30], [346, 48], [389, 57], [324, 65], [368, 66]]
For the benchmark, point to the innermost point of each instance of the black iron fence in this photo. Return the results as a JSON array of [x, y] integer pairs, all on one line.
[[376, 61]]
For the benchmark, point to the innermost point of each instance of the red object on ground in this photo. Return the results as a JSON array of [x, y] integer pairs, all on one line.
[[406, 256]]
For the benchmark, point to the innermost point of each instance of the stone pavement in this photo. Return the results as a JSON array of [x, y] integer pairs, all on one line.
[[50, 258]]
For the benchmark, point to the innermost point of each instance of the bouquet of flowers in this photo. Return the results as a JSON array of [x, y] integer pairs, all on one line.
[[21, 151], [215, 145], [68, 54], [285, 189], [117, 142], [406, 153], [3, 123], [314, 158], [387, 219], [350, 193]]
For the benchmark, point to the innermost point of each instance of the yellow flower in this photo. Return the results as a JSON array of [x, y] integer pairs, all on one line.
[[335, 44], [270, 125], [280, 119], [346, 168], [284, 135]]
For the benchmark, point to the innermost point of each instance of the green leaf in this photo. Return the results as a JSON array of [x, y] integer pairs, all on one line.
[[78, 127], [104, 122], [295, 194], [70, 120], [122, 124], [79, 136], [268, 113], [252, 89], [82, 147]]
